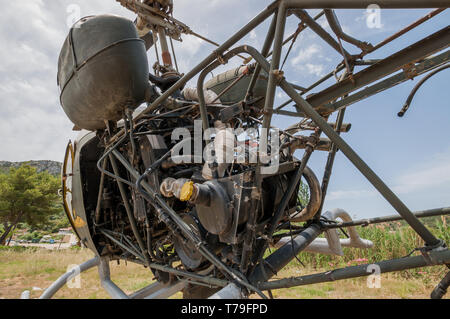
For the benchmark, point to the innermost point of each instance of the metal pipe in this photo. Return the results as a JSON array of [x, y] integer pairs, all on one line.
[[229, 87], [413, 53], [188, 276], [392, 218], [417, 87], [100, 193], [441, 288], [273, 72], [296, 33], [284, 105], [279, 259], [280, 210], [265, 49], [130, 214], [131, 250], [363, 4], [337, 29], [405, 30], [230, 42], [436, 257], [167, 59], [229, 292], [105, 279], [425, 66], [176, 272], [309, 21], [330, 162], [339, 127], [61, 281]]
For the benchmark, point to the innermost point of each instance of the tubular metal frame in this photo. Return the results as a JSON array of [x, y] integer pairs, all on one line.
[[414, 60]]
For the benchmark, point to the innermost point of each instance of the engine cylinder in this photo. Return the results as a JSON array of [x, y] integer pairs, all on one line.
[[102, 70]]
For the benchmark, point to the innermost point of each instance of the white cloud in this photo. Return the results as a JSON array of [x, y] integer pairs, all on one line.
[[307, 54], [32, 123], [315, 69], [308, 60]]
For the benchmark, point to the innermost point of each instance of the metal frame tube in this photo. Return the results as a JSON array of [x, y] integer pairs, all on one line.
[[363, 4], [365, 222], [105, 279], [436, 257], [310, 22], [129, 212], [279, 259], [275, 64], [265, 52], [337, 29], [418, 51], [330, 162], [421, 68], [418, 86], [405, 30], [61, 281], [230, 42]]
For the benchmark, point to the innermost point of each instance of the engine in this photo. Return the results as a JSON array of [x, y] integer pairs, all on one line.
[[158, 188]]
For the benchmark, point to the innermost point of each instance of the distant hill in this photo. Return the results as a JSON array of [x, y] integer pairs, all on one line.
[[54, 168]]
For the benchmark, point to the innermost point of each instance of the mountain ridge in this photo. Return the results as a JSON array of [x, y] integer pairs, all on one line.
[[52, 167]]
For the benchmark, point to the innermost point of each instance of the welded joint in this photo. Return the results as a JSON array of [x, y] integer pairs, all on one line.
[[220, 57], [427, 252], [410, 70], [279, 76]]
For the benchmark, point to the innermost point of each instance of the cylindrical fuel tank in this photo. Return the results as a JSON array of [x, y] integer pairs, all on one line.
[[238, 91], [102, 70]]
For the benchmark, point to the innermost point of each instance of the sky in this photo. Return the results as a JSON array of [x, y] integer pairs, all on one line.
[[411, 154]]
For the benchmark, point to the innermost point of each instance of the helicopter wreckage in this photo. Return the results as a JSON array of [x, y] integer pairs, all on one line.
[[171, 187]]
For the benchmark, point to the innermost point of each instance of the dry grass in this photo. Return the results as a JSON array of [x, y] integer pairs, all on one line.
[[21, 271], [24, 270]]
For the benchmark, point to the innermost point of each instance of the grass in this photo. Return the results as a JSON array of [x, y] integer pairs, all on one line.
[[391, 240], [22, 269]]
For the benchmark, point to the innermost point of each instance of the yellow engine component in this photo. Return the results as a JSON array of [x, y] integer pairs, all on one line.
[[186, 191]]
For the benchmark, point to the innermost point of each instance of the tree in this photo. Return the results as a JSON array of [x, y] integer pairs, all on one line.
[[303, 195], [26, 196]]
